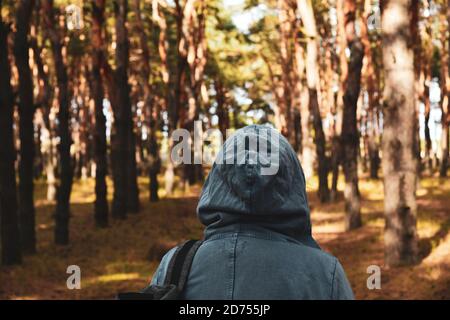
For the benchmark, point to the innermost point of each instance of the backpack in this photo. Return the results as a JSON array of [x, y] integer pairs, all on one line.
[[176, 276]]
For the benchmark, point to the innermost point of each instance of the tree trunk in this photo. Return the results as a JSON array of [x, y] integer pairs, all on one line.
[[286, 65], [193, 28], [133, 203], [336, 156], [155, 163], [306, 102], [445, 120], [117, 156], [162, 50], [399, 160], [337, 152], [222, 110], [26, 127], [62, 214], [126, 197], [374, 157], [427, 102], [297, 131], [154, 159], [44, 103], [414, 9], [445, 91], [122, 63], [276, 87], [50, 168], [312, 74], [319, 139], [100, 144], [9, 221], [349, 132], [372, 91]]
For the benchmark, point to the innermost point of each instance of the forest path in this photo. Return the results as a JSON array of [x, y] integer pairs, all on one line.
[[124, 256]]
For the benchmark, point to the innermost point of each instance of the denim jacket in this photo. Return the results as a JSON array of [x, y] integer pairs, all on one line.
[[257, 239]]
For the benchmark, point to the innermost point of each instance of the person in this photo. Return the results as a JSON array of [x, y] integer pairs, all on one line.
[[257, 241]]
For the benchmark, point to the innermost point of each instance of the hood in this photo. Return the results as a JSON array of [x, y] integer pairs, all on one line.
[[256, 180]]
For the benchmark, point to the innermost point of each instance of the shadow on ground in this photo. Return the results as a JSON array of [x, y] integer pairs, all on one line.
[[124, 256]]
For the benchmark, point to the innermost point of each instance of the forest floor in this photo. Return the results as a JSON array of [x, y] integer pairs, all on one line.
[[124, 256]]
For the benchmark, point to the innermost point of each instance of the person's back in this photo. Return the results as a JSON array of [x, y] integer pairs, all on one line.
[[258, 242]]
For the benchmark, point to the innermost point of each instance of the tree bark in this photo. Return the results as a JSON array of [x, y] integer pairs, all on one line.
[[126, 196], [424, 51], [304, 101], [44, 103], [349, 132], [169, 103], [445, 91], [26, 127], [399, 159], [336, 152], [9, 220], [133, 202], [427, 102], [414, 9], [122, 62], [193, 32], [222, 110], [312, 74], [62, 214], [276, 87], [154, 159], [373, 94], [286, 65], [176, 107], [100, 145]]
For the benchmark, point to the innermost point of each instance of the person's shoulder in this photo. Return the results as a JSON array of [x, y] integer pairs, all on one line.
[[166, 258], [317, 255], [161, 271], [169, 254]]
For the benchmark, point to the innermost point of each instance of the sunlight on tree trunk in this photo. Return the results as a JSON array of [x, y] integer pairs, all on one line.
[[399, 160], [373, 94], [151, 107], [349, 132], [312, 74], [445, 90]]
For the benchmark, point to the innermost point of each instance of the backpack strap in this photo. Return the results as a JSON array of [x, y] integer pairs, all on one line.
[[180, 264], [176, 276]]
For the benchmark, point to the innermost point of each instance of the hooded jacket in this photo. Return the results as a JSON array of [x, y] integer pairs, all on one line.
[[257, 240]]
